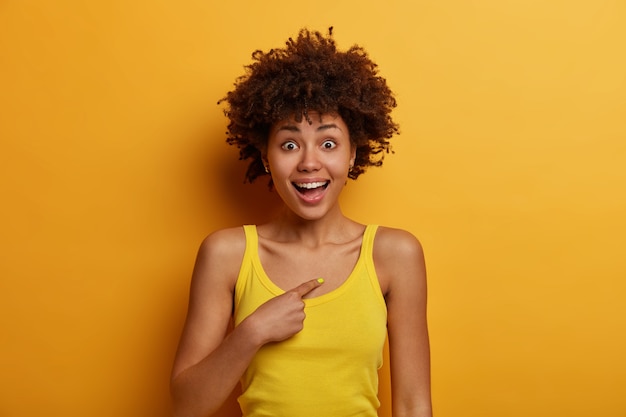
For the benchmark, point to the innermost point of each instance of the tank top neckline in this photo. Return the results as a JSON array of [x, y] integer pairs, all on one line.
[[366, 246]]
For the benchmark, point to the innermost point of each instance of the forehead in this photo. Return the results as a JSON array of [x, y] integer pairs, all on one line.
[[312, 120]]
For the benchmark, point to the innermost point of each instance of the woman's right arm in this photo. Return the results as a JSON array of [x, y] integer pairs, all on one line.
[[209, 362]]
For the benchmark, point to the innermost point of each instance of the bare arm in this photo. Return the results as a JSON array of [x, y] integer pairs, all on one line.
[[209, 363], [400, 261]]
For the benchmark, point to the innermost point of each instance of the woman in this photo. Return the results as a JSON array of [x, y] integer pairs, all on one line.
[[312, 293]]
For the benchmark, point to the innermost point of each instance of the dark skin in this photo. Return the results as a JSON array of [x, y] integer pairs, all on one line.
[[210, 361]]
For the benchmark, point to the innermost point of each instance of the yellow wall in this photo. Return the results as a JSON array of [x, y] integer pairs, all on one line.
[[510, 168]]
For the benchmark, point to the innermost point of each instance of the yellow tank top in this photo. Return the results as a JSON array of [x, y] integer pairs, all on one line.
[[328, 369]]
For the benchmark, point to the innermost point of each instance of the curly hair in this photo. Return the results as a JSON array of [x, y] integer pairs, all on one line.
[[310, 74]]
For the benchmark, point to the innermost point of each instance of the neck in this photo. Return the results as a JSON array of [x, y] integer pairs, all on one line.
[[334, 227]]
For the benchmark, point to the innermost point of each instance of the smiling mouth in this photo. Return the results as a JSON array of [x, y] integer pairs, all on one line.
[[310, 189]]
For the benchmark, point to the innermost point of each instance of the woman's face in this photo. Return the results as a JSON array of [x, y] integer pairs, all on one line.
[[309, 162]]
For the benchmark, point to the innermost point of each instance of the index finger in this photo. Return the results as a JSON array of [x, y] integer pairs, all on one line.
[[306, 287]]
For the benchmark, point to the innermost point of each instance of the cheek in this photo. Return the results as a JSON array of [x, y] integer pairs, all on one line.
[[281, 170], [341, 163]]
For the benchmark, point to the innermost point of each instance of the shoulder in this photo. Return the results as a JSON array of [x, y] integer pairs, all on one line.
[[398, 256], [220, 255], [224, 242], [397, 244]]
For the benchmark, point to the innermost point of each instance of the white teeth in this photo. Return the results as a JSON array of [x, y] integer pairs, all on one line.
[[310, 185]]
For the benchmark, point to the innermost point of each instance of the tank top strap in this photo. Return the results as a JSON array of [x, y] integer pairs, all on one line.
[[367, 254], [251, 251], [367, 246], [252, 238]]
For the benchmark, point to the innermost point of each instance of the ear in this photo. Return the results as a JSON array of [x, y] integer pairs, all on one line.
[[352, 155], [265, 162]]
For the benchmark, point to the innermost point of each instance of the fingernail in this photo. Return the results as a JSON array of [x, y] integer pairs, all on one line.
[[320, 280]]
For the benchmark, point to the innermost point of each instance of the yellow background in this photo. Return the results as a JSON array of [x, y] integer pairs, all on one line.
[[510, 168]]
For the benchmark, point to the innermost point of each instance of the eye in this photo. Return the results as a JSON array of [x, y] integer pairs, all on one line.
[[289, 146], [329, 144]]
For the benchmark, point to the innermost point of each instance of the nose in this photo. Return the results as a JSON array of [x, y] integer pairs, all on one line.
[[309, 161]]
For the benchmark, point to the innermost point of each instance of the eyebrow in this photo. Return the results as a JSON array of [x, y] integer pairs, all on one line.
[[294, 128]]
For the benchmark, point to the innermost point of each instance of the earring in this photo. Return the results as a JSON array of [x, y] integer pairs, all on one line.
[[267, 170]]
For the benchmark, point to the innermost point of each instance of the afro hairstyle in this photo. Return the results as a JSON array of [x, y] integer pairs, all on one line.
[[310, 75]]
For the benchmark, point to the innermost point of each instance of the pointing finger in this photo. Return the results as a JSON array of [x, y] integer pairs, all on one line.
[[305, 288]]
